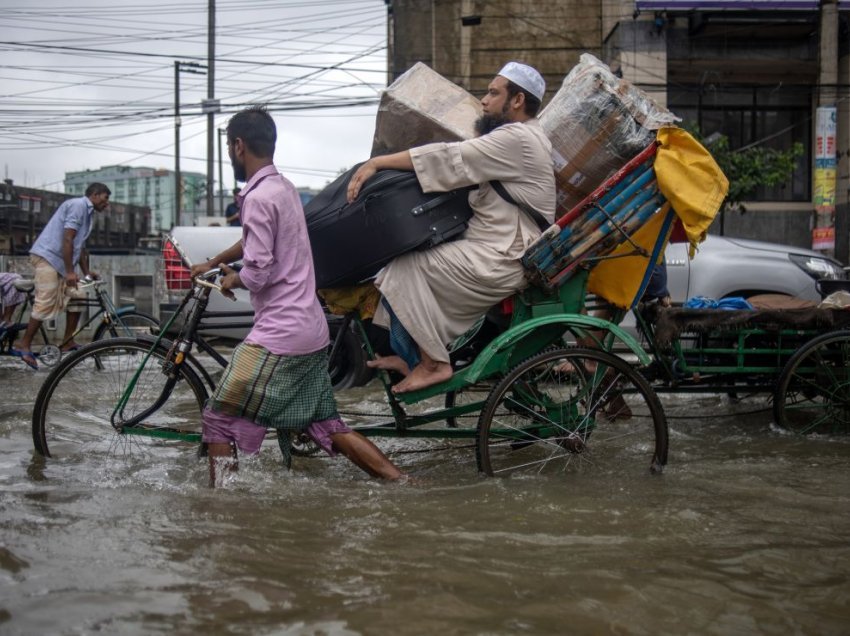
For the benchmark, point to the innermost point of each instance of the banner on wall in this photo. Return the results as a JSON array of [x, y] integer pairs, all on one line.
[[823, 238], [825, 177]]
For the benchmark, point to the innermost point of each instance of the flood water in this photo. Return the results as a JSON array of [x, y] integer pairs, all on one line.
[[745, 532]]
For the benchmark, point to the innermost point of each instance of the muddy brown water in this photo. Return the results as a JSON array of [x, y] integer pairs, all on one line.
[[745, 532]]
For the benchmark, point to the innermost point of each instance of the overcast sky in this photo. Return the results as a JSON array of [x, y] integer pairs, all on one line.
[[91, 83]]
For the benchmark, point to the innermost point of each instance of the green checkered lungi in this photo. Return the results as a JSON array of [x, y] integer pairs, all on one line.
[[283, 392]]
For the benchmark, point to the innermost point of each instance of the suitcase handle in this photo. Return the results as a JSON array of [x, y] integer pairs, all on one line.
[[433, 203]]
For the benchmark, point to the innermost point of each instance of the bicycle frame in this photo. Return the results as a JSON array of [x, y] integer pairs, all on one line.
[[107, 312], [106, 309]]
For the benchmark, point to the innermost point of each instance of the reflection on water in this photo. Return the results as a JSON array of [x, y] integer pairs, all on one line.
[[744, 533]]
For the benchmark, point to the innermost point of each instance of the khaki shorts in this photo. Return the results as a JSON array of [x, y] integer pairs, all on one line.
[[51, 292]]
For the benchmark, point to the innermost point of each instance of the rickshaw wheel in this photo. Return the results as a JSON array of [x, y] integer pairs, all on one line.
[[572, 410], [813, 391]]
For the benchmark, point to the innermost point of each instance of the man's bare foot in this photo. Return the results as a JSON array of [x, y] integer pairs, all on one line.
[[389, 363], [424, 375]]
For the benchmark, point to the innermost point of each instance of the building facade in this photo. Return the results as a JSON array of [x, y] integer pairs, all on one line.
[[25, 211], [761, 72], [151, 187]]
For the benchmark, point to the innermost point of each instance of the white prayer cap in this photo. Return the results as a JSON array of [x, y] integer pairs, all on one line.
[[525, 77]]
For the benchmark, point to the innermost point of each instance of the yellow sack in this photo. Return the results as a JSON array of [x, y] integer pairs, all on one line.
[[690, 179], [342, 300], [618, 279]]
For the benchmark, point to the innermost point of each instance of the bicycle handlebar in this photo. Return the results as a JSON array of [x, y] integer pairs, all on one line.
[[87, 282], [205, 280]]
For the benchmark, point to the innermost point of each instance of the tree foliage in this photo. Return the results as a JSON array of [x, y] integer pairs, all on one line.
[[750, 168]]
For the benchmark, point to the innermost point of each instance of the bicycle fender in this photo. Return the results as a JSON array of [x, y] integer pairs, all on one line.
[[507, 340]]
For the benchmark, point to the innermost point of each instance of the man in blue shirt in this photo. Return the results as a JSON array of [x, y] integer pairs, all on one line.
[[54, 256], [231, 214]]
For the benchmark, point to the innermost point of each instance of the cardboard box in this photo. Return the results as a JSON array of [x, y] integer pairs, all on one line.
[[422, 107], [596, 122]]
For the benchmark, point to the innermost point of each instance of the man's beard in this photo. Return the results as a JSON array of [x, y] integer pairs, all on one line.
[[488, 122], [239, 170]]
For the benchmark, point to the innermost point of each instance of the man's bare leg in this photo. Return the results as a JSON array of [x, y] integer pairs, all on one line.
[[425, 374], [389, 363], [72, 319], [29, 334], [365, 455], [221, 455]]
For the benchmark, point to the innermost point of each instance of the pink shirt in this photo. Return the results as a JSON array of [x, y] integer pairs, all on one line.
[[278, 267]]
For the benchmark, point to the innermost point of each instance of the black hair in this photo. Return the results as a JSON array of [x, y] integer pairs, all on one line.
[[97, 188], [255, 127], [532, 104]]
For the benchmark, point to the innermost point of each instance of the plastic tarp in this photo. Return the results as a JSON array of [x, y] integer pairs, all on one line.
[[596, 122]]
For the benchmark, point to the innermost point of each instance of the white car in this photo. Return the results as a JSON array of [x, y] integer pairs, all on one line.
[[723, 267]]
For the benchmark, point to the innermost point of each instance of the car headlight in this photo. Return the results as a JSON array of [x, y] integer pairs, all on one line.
[[819, 267]]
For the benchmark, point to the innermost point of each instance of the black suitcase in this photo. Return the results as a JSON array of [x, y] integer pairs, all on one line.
[[391, 216]]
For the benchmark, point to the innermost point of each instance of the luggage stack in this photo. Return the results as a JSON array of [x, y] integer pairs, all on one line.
[[352, 242], [596, 123]]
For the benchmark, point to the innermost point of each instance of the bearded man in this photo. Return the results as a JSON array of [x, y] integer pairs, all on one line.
[[429, 298]]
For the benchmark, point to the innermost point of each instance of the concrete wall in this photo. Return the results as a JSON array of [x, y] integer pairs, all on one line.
[[548, 34], [118, 271], [785, 223]]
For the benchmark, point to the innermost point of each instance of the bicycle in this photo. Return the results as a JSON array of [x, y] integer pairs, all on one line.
[[114, 321], [155, 386]]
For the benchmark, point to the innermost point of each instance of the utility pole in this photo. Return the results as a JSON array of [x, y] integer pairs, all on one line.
[[827, 235], [210, 99], [177, 180], [180, 67], [221, 132]]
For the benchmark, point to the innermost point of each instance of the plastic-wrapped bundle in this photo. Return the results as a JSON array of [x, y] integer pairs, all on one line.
[[596, 122]]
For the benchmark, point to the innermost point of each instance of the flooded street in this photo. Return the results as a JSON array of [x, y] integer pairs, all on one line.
[[745, 532]]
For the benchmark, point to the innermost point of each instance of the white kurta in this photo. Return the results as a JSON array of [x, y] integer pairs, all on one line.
[[438, 294]]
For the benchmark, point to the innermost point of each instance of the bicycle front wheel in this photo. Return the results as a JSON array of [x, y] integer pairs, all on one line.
[[572, 410], [127, 325], [74, 410]]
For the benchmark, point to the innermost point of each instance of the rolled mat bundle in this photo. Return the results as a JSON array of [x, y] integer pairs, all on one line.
[[597, 225]]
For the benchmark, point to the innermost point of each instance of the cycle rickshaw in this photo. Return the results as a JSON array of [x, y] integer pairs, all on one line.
[[540, 403]]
